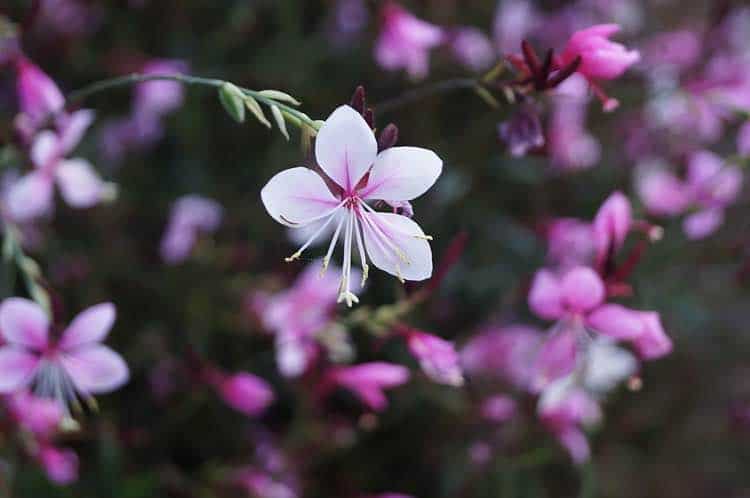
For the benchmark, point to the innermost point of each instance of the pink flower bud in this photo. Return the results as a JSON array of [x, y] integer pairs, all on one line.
[[60, 465], [437, 357], [369, 380], [601, 59], [39, 96], [246, 393]]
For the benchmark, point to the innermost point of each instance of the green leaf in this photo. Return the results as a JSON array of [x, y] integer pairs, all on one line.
[[232, 99], [279, 96]]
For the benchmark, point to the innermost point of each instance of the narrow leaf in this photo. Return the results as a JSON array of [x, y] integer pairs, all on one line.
[[232, 99], [255, 108]]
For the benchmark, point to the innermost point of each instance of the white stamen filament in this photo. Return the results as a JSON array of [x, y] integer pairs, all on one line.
[[344, 293], [332, 245], [361, 248], [312, 238]]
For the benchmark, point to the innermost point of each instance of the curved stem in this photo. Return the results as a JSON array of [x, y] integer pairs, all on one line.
[[425, 92], [81, 94]]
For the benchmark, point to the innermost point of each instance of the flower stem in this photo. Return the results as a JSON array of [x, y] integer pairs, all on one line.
[[27, 267], [424, 92]]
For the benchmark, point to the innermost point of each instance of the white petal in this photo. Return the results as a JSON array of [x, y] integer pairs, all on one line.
[[297, 196], [91, 325], [72, 129], [24, 323], [397, 245], [16, 368], [95, 369], [345, 147], [79, 183], [30, 197], [402, 173], [45, 149]]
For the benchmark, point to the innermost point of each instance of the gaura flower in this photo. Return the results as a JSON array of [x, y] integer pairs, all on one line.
[[38, 97], [346, 151], [369, 380], [191, 215], [244, 392], [436, 356], [76, 364], [60, 464]]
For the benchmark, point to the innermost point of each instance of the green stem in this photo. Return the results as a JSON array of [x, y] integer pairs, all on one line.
[[27, 267], [426, 91], [82, 94]]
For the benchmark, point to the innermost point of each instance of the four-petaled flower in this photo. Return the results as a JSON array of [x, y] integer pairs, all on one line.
[[346, 151]]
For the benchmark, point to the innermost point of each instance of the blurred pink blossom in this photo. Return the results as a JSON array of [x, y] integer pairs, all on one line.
[[514, 21], [499, 408], [244, 392], [40, 416], [346, 151], [261, 484], [77, 363], [472, 48], [679, 49], [405, 41], [369, 380], [570, 242], [611, 226], [38, 96], [571, 147], [436, 356], [60, 465], [743, 139], [191, 215], [563, 412]]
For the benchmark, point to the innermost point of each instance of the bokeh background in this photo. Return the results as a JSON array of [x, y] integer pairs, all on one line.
[[681, 435]]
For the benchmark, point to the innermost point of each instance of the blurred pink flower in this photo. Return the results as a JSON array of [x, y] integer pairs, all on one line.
[[514, 21], [472, 48], [297, 314], [662, 192], [571, 147], [261, 484], [38, 98], [523, 132], [40, 416], [743, 140], [244, 392], [436, 356], [346, 151], [67, 18], [679, 49], [60, 465], [369, 380], [611, 226], [80, 185], [499, 408], [191, 215], [159, 97], [405, 41], [564, 412], [76, 363], [570, 242]]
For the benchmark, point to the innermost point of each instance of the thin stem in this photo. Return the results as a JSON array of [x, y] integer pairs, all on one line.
[[27, 267], [424, 92], [82, 94]]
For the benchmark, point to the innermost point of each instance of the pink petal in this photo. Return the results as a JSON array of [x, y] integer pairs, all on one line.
[[653, 342], [545, 296], [612, 224], [91, 325], [16, 368], [616, 321], [72, 129], [79, 183], [23, 322], [397, 245], [703, 223], [345, 147], [95, 369], [556, 359], [402, 174], [582, 289], [297, 196], [30, 197], [246, 393], [45, 149], [575, 443]]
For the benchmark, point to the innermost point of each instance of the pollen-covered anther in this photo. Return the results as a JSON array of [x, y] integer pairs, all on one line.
[[293, 257]]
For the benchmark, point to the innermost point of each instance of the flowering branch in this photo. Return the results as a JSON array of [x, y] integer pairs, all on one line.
[[27, 267]]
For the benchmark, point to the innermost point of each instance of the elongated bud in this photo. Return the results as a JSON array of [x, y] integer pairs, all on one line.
[[253, 106], [388, 137], [358, 100], [233, 101], [279, 96]]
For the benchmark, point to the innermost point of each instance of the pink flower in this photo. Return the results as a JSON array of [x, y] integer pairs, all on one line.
[[38, 96], [369, 380], [79, 183], [61, 465], [499, 409], [244, 392], [436, 356], [261, 484], [601, 59], [472, 48], [564, 412], [346, 151], [680, 49], [297, 314], [662, 192], [76, 363], [571, 146], [570, 242], [190, 216], [611, 226], [405, 41], [40, 416], [575, 300], [514, 20], [159, 97]]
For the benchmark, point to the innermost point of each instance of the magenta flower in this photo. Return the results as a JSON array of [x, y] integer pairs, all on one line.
[[571, 147], [405, 41], [76, 364], [79, 184], [570, 242], [40, 416], [60, 464], [244, 392], [39, 97], [611, 226], [191, 215], [369, 380], [575, 300], [297, 314], [437, 357], [346, 151]]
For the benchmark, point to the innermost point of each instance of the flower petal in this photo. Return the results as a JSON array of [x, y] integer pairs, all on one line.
[[80, 185], [397, 245], [345, 147], [615, 321], [402, 174], [297, 196], [95, 369], [545, 296], [16, 368], [45, 149], [30, 197], [23, 322], [90, 326], [73, 127], [582, 289]]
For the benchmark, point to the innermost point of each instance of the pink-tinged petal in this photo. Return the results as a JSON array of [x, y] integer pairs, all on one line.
[[545, 296], [615, 321], [24, 323], [73, 127], [60, 465], [556, 359], [613, 220], [38, 94], [16, 368], [575, 443], [30, 197], [703, 223], [652, 342], [246, 393], [80, 185], [402, 174], [297, 196], [662, 192], [45, 149], [582, 289], [397, 245], [499, 408], [345, 147], [90, 326], [95, 369], [743, 140]]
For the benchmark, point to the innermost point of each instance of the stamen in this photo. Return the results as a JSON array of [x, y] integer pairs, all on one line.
[[332, 246], [312, 238], [344, 293], [361, 248]]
